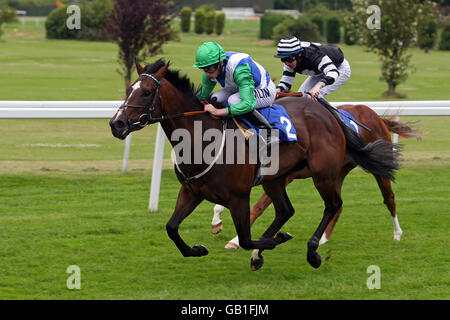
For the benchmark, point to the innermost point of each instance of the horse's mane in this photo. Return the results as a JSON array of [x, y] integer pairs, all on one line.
[[181, 82]]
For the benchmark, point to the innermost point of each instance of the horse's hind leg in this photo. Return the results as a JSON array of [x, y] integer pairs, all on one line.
[[333, 203], [329, 230], [283, 211], [216, 223], [389, 201]]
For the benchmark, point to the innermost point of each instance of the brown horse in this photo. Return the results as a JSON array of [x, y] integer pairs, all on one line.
[[162, 95], [381, 128]]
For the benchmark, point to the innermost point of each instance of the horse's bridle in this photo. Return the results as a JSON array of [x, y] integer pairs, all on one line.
[[150, 120], [149, 108]]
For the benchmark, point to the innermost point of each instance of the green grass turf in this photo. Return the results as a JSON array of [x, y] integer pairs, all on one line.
[[100, 223], [70, 205], [34, 68], [63, 200]]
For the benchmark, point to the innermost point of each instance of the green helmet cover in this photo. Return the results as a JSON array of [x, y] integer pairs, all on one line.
[[209, 53]]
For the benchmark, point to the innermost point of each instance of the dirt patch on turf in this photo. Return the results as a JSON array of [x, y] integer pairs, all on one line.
[[25, 35], [94, 166], [263, 43]]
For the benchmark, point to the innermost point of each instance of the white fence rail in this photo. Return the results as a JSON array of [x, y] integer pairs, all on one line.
[[106, 109]]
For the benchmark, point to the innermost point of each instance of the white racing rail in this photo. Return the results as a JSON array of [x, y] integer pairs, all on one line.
[[106, 109]]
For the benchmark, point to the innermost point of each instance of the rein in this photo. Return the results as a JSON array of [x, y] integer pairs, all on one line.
[[151, 108], [150, 120]]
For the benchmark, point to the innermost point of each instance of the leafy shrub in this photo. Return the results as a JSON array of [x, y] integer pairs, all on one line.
[[318, 20], [210, 18], [220, 23], [185, 14], [92, 22], [333, 30], [445, 38], [268, 22], [199, 23], [427, 34], [7, 15], [301, 28], [55, 25], [351, 26]]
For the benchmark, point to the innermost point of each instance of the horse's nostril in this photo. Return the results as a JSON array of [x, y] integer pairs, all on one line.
[[119, 124]]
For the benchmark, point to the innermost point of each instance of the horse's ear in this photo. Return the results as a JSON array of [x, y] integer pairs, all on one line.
[[162, 71], [140, 70]]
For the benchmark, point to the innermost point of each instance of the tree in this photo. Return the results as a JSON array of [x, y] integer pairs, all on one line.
[[7, 15], [140, 28], [392, 38]]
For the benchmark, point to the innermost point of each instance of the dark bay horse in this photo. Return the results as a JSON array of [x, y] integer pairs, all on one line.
[[162, 95], [381, 128]]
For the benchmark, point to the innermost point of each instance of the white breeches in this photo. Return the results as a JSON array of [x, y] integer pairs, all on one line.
[[264, 97], [311, 81]]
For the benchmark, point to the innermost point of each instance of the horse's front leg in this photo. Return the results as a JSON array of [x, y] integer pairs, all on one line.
[[240, 212], [186, 203]]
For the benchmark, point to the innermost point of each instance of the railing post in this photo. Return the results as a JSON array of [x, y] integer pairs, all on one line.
[[126, 153], [395, 138], [158, 158]]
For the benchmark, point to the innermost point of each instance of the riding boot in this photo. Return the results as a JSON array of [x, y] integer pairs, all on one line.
[[261, 123]]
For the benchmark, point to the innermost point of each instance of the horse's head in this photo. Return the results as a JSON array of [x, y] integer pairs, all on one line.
[[140, 102]]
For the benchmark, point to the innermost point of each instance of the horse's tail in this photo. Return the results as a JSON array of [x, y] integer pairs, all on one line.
[[402, 129], [379, 157]]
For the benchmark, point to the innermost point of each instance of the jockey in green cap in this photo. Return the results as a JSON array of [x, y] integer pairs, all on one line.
[[246, 85]]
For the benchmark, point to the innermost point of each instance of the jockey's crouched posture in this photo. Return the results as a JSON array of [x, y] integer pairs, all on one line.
[[326, 66], [246, 84]]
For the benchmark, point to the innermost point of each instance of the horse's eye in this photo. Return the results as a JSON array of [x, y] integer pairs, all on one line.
[[146, 93]]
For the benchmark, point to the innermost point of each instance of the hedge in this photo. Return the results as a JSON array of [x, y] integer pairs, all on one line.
[[444, 44], [220, 23], [185, 16], [333, 30], [199, 23], [427, 34], [210, 18]]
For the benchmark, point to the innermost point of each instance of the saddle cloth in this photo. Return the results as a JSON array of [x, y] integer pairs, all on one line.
[[278, 119], [348, 119]]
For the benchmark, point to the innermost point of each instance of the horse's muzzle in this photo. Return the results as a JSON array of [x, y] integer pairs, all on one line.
[[119, 128]]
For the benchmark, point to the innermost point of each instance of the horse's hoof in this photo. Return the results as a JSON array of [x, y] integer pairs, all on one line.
[[398, 235], [232, 246], [199, 251], [217, 228], [314, 259], [256, 263]]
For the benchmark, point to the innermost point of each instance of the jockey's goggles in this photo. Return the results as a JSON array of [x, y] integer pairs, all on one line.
[[212, 68], [287, 59]]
